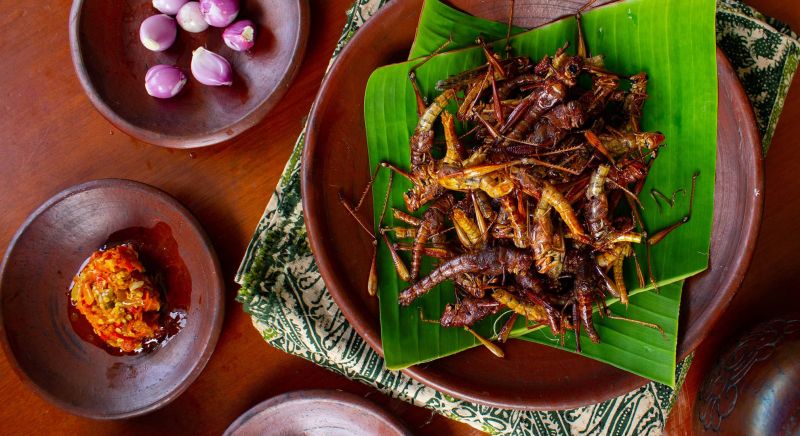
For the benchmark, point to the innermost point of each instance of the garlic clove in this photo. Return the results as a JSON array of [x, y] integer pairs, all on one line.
[[164, 81], [240, 36], [158, 32], [169, 7], [191, 19], [210, 68], [219, 13]]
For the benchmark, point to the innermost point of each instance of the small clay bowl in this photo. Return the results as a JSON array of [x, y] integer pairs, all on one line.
[[111, 63], [316, 413], [37, 335]]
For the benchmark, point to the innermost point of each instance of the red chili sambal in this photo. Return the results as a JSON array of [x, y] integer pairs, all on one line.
[[118, 299]]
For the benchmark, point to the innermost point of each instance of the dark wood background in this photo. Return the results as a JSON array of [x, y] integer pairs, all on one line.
[[51, 138]]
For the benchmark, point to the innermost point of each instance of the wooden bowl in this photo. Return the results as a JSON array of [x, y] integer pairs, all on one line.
[[531, 376], [37, 270], [111, 64], [316, 412]]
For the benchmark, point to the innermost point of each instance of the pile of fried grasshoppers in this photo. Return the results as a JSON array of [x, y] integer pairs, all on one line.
[[520, 207]]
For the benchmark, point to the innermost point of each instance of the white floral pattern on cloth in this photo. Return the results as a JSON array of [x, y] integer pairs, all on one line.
[[291, 308]]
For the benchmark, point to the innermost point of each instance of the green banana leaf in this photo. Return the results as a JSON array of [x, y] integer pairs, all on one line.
[[633, 347], [687, 118], [442, 26]]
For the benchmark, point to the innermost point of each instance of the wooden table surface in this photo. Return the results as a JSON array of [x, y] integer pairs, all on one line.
[[51, 138]]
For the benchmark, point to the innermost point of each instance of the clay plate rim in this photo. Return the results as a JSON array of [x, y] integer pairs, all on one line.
[[362, 321], [358, 404]]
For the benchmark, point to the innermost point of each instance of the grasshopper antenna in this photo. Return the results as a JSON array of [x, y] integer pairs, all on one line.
[[508, 29], [412, 76]]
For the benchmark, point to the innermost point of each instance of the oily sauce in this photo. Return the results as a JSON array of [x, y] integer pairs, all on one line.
[[158, 252]]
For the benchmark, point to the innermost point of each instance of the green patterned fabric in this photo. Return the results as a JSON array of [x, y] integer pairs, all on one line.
[[764, 53], [291, 308]]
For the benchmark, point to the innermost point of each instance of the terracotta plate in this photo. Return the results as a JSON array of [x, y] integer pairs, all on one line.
[[316, 413], [531, 376], [37, 270], [111, 64]]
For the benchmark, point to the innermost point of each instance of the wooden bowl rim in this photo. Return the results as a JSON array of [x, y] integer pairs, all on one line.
[[222, 134], [218, 296]]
